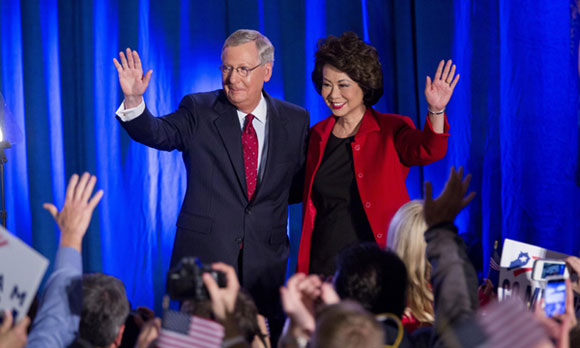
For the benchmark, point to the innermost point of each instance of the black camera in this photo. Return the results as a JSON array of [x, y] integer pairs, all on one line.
[[184, 282]]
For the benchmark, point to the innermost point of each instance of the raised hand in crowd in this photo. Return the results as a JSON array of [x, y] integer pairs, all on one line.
[[328, 295], [450, 202], [300, 297], [13, 337], [558, 327], [75, 216], [131, 78], [485, 292], [298, 301], [223, 302]]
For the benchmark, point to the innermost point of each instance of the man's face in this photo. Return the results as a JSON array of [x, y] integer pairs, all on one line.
[[244, 92]]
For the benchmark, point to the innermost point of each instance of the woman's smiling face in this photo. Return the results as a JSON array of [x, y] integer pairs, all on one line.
[[341, 94]]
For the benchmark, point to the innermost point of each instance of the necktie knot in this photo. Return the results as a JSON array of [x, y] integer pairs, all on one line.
[[248, 122]]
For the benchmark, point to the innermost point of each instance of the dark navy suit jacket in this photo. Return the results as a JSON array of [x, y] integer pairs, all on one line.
[[216, 216]]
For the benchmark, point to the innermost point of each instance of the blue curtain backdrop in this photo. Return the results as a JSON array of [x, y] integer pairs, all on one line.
[[514, 115]]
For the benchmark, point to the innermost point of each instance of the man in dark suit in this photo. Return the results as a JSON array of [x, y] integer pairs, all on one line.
[[241, 171]]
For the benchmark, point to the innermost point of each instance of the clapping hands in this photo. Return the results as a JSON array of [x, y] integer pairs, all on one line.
[[300, 297]]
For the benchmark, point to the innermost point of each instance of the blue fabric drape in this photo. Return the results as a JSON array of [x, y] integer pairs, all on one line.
[[514, 115]]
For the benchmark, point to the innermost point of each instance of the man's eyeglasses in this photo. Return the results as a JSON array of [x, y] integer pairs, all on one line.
[[243, 71]]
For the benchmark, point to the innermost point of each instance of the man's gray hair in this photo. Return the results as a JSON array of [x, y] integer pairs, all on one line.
[[105, 309], [263, 44]]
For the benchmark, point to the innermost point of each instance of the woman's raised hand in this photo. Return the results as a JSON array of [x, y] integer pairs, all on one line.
[[439, 91]]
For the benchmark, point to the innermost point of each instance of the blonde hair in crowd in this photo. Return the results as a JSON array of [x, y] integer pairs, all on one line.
[[406, 238]]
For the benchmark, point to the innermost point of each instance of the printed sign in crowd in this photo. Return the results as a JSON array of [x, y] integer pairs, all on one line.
[[515, 276], [21, 271]]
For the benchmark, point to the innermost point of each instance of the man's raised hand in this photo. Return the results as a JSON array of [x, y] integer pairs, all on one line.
[[131, 78]]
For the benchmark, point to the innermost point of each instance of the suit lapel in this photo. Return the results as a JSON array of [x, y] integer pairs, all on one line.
[[277, 140], [228, 127]]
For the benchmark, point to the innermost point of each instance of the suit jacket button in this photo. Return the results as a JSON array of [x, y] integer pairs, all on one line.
[[248, 211], [367, 204]]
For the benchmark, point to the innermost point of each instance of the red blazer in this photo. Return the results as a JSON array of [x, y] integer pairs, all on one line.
[[384, 148]]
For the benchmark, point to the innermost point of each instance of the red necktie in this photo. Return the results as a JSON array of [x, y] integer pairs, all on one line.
[[250, 149]]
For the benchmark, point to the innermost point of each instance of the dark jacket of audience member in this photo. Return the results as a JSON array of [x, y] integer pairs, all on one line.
[[453, 277]]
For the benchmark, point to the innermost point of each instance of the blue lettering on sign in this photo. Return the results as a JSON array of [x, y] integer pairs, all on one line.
[[21, 296]]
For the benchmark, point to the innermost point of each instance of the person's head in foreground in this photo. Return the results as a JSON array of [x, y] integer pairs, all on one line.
[[105, 309], [375, 278], [347, 325]]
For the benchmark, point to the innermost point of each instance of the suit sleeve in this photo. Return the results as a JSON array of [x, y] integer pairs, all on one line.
[[169, 132], [416, 147], [296, 190]]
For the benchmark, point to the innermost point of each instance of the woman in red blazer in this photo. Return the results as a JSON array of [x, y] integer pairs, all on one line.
[[358, 158]]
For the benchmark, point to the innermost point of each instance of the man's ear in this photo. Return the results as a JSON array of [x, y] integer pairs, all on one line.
[[119, 338], [268, 74]]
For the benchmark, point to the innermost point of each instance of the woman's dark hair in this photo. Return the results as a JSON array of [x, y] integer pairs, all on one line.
[[351, 55]]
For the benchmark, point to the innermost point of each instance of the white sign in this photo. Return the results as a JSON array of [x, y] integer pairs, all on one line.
[[21, 270], [515, 275]]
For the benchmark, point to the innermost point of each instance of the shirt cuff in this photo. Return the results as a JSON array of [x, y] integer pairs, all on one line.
[[127, 115]]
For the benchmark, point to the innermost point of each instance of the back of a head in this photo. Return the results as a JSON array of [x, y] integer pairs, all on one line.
[[406, 238], [105, 309], [263, 44], [347, 325], [246, 315], [375, 278]]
